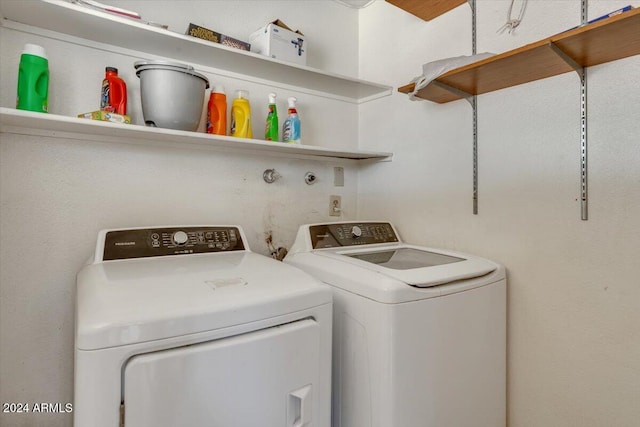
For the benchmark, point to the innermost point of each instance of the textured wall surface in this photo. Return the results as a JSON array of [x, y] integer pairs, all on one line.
[[57, 193], [574, 286]]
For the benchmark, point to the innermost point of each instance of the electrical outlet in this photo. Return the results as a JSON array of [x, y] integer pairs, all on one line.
[[335, 206]]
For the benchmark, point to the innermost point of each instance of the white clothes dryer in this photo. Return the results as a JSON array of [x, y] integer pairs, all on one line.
[[419, 336], [185, 326]]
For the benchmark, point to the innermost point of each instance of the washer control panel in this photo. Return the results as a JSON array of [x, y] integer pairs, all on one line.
[[351, 234], [152, 242]]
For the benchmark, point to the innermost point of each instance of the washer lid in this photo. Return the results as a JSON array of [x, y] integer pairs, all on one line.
[[414, 265], [137, 300], [405, 258]]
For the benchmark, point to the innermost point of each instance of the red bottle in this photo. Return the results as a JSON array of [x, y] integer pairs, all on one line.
[[114, 93]]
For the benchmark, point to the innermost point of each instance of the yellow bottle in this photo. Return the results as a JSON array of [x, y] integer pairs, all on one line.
[[241, 115]]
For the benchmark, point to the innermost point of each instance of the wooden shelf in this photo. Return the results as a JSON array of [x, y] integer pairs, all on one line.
[[101, 27], [597, 43], [427, 9], [41, 124]]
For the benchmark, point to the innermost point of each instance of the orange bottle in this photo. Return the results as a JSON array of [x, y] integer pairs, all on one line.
[[217, 112], [114, 93]]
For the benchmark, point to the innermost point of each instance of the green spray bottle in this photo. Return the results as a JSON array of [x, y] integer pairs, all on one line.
[[271, 128]]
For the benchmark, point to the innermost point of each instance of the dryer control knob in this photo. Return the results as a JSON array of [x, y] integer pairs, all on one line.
[[180, 238], [356, 231]]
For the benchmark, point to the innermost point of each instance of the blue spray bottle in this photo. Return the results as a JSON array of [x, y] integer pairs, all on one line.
[[291, 126]]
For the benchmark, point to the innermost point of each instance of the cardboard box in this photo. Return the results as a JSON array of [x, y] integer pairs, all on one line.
[[230, 41], [203, 33], [215, 37], [278, 41], [106, 117]]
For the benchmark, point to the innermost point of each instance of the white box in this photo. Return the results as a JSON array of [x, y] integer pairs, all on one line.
[[276, 40]]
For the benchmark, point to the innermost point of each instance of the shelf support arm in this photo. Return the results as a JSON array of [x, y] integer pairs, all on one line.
[[458, 92], [568, 59]]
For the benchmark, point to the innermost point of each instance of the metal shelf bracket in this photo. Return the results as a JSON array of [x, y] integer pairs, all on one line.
[[582, 73], [472, 100], [566, 58], [474, 106], [454, 90]]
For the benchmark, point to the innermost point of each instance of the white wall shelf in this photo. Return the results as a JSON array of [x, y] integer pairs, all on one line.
[[101, 27], [40, 124]]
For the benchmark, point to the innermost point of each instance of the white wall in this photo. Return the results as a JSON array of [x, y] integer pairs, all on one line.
[[56, 194], [574, 286]]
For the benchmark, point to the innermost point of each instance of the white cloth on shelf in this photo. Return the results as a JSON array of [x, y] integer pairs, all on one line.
[[433, 70]]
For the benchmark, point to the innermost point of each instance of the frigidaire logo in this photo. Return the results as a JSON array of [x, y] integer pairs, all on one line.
[[125, 243]]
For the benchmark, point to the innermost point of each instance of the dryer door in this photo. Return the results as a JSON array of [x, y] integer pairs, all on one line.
[[262, 378]]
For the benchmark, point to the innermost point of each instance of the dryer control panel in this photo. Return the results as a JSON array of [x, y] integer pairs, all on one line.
[[351, 234], [152, 242]]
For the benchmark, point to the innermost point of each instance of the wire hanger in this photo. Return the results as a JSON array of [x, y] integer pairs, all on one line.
[[512, 23]]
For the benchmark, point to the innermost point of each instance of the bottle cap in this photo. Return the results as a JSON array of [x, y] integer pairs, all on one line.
[[112, 69], [218, 89], [35, 50], [272, 98], [292, 102], [242, 94]]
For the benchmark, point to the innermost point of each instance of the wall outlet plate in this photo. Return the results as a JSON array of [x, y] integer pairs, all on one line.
[[335, 206], [338, 176]]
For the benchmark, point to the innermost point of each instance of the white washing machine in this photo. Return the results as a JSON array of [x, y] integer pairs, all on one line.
[[185, 326], [419, 336]]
